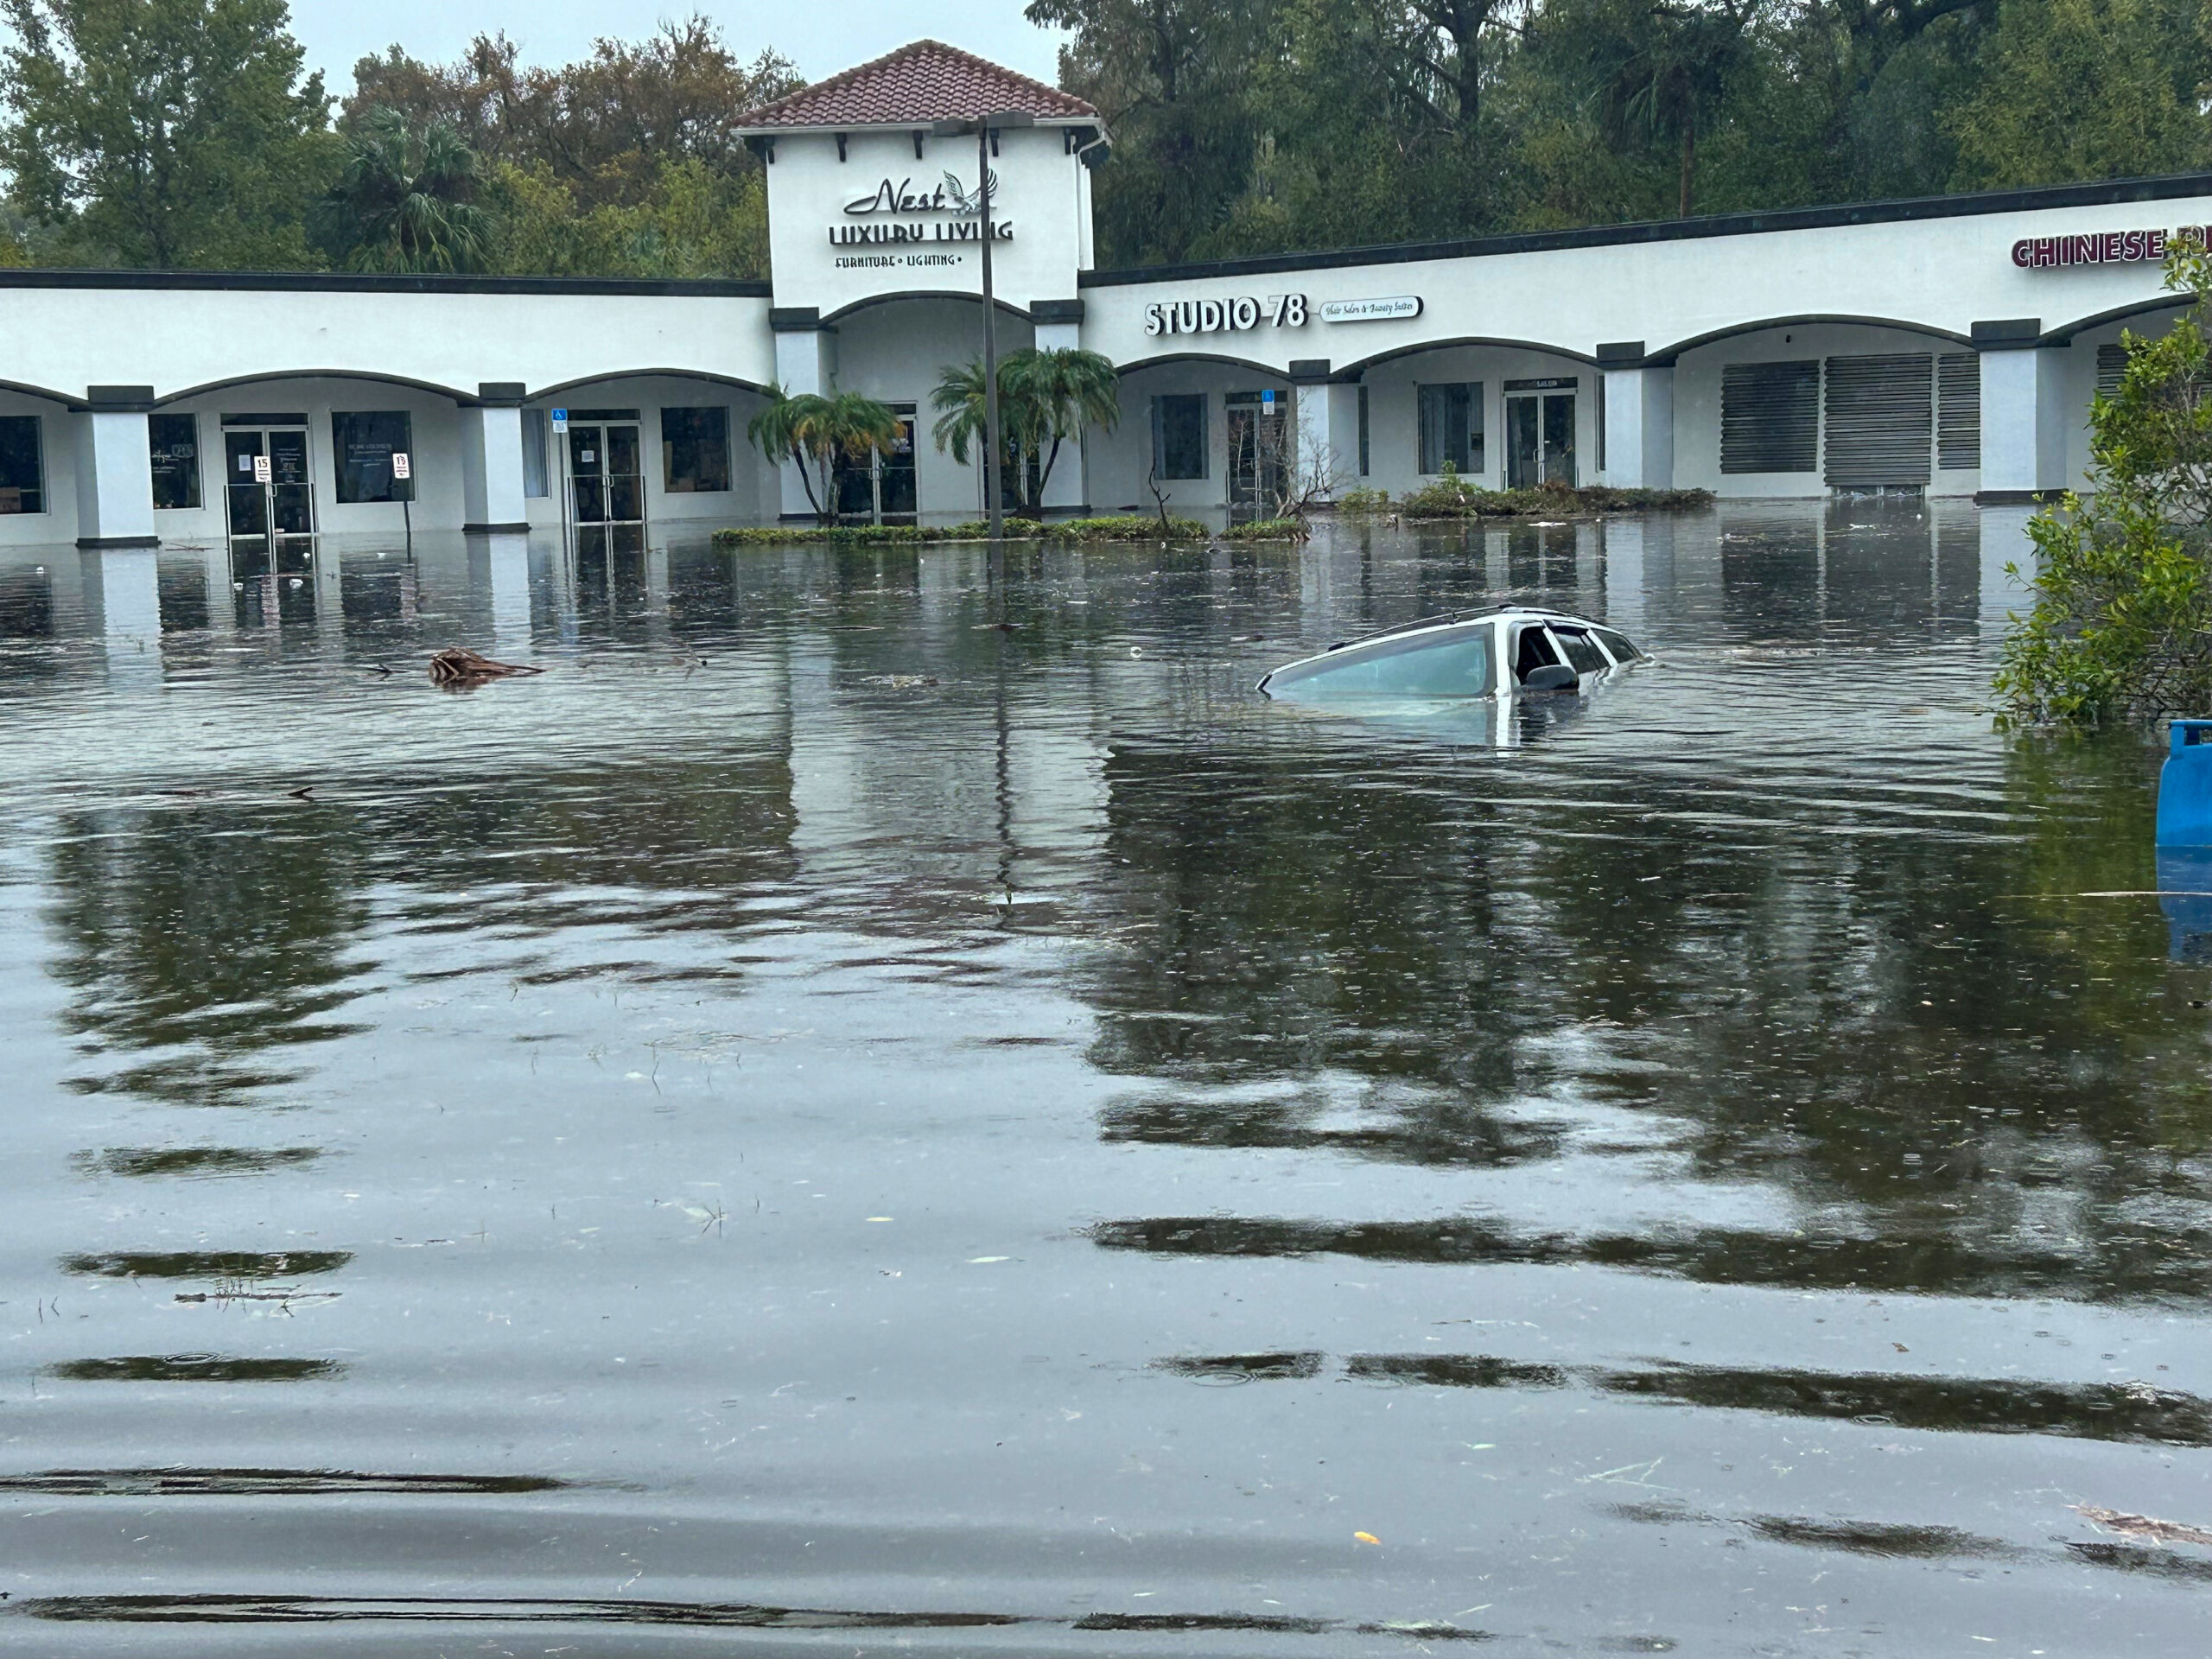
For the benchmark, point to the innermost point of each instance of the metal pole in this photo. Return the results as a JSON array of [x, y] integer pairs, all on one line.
[[991, 512]]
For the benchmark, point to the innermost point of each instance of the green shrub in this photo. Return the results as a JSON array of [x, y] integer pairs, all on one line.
[[1363, 503], [1267, 530], [1127, 527], [2121, 626], [1452, 496]]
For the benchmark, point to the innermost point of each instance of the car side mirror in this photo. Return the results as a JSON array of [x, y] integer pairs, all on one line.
[[1553, 676]]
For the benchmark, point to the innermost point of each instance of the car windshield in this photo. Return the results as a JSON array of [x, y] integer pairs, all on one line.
[[1622, 649], [1453, 664]]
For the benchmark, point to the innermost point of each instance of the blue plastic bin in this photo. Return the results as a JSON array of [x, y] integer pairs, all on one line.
[[2185, 787]]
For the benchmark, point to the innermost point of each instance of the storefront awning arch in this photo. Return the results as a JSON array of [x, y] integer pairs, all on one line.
[[2065, 336], [538, 394], [264, 375], [1003, 307], [1353, 371], [1665, 356], [1274, 372]]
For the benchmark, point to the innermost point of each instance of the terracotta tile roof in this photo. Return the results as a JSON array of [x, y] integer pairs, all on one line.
[[925, 81]]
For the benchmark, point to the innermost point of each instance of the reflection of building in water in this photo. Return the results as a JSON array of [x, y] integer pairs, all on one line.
[[1947, 347]]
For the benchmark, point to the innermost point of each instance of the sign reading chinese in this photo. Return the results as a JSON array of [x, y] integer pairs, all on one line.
[[2101, 247]]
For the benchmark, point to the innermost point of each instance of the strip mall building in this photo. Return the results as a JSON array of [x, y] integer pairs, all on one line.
[[1949, 346]]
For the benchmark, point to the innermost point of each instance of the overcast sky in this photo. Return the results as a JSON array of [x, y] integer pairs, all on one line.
[[822, 37]]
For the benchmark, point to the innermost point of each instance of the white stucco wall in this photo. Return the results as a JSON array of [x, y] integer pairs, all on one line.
[[1040, 193], [1942, 273], [65, 338]]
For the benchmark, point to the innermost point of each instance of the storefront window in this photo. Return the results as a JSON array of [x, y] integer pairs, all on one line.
[[1452, 428], [694, 450], [536, 469], [23, 473], [366, 444], [173, 442], [1179, 435], [1363, 431]]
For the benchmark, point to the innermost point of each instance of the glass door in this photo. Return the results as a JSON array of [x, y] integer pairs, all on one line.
[[606, 481], [1539, 434], [280, 499], [1257, 423], [895, 498]]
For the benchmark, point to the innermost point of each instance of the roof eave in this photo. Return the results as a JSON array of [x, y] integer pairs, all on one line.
[[919, 124]]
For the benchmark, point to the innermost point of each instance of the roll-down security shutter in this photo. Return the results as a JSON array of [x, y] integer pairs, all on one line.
[[1958, 411], [1770, 418], [2111, 362], [1881, 419]]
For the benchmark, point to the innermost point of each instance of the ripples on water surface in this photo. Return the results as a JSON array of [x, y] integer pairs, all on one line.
[[824, 1123]]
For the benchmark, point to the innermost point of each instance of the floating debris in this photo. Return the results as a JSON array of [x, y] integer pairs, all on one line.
[[2166, 1532], [457, 665]]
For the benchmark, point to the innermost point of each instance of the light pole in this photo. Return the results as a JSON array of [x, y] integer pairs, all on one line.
[[984, 127]]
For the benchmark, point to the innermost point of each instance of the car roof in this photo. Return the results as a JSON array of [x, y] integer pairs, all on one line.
[[1535, 613]]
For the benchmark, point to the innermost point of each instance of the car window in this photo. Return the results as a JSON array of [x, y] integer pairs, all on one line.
[[1580, 651], [1532, 650]]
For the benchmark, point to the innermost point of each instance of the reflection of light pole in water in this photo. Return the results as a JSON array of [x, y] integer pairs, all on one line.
[[985, 128]]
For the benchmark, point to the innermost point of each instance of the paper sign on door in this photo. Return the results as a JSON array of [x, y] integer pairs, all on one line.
[[261, 469]]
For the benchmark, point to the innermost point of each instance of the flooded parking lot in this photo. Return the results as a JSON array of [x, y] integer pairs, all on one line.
[[885, 1103]]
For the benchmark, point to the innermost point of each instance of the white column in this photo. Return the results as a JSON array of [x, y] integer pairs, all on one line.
[[1639, 426], [1059, 328], [115, 469], [805, 362], [491, 461], [1327, 417], [2023, 414]]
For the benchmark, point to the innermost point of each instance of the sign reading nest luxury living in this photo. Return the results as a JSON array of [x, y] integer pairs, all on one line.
[[1277, 310], [962, 224]]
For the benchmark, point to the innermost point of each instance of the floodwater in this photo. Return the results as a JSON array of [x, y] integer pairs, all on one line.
[[880, 1105]]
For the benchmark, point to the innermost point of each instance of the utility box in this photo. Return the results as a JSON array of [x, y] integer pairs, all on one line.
[[2185, 787]]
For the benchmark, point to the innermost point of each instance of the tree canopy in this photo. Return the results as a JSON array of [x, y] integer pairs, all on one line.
[[188, 132]]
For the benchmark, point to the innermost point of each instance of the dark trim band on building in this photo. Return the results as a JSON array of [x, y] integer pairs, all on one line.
[[344, 282], [1679, 230]]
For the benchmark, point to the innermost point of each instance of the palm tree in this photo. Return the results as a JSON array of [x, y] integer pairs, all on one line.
[[1046, 397], [822, 435], [403, 201], [1671, 63]]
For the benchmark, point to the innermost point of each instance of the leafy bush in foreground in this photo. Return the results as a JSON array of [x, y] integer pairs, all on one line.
[[2121, 626]]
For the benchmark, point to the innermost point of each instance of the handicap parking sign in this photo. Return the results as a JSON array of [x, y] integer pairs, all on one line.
[[560, 420]]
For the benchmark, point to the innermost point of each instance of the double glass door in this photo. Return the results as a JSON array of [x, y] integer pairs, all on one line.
[[1539, 434], [607, 482], [284, 501], [879, 489]]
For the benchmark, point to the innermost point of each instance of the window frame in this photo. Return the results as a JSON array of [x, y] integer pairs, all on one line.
[[698, 446], [346, 477], [37, 425], [194, 472], [1202, 401], [1467, 396]]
